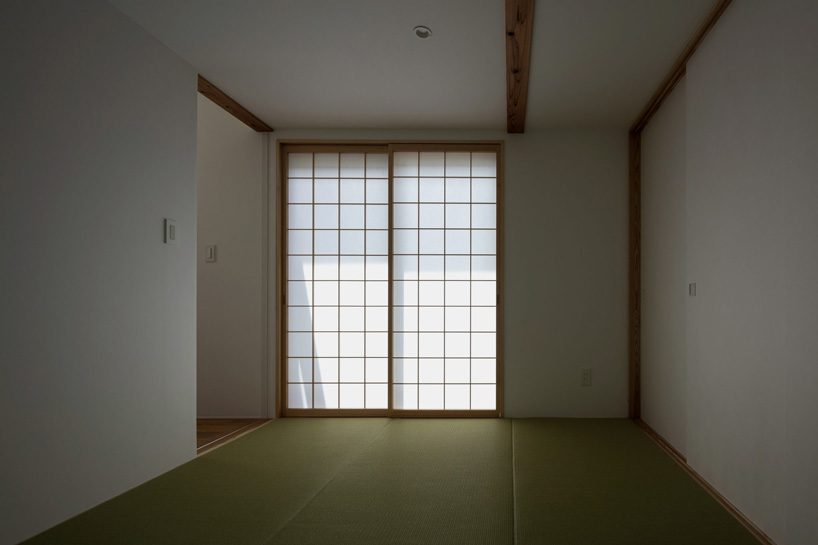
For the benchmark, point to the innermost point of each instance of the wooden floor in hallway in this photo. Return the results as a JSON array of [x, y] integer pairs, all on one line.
[[212, 432]]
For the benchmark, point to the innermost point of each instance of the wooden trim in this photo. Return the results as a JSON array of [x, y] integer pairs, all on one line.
[[500, 325], [519, 26], [235, 434], [266, 254], [411, 413], [679, 67], [635, 227], [281, 283], [476, 147], [321, 147], [680, 460], [634, 273], [388, 413], [635, 207], [231, 106], [332, 413], [670, 449], [390, 298]]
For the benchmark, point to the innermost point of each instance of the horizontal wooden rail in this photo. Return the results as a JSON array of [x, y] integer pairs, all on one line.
[[237, 110], [679, 68]]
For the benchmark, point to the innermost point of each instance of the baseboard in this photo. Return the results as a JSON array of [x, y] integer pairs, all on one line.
[[677, 457]]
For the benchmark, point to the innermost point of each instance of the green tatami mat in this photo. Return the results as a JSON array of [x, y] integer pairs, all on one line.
[[604, 482], [365, 481], [421, 482], [241, 493]]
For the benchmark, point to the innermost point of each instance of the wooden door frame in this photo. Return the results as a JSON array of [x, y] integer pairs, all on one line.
[[675, 75]]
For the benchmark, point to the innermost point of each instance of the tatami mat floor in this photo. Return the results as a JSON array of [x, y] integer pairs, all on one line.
[[418, 481]]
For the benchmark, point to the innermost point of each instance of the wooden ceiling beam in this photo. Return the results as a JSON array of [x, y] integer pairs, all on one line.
[[519, 25], [237, 110]]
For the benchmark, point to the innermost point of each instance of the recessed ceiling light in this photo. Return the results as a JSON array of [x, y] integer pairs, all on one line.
[[422, 32]]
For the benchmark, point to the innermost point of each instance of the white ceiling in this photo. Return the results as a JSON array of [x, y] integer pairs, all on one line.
[[598, 62], [357, 64]]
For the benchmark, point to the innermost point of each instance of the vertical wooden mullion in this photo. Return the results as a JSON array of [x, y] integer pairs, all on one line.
[[312, 283], [471, 358], [284, 268], [390, 284], [499, 380], [417, 329], [444, 279], [366, 254], [339, 280]]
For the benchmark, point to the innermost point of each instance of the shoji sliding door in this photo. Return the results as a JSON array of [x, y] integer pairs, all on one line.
[[337, 279], [391, 274], [444, 280]]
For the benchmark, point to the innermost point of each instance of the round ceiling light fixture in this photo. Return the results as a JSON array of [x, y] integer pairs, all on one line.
[[422, 32]]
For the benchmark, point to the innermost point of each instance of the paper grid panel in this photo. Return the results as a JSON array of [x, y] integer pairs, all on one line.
[[338, 273], [444, 276]]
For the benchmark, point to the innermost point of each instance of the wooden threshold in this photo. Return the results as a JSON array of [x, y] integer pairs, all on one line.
[[427, 413], [215, 432], [391, 413], [681, 461], [335, 413]]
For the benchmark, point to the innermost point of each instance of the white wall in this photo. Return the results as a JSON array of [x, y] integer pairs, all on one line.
[[566, 273], [565, 265], [231, 309], [97, 320], [752, 248], [664, 275]]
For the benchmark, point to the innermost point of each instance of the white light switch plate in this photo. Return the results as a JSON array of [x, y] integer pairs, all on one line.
[[171, 233]]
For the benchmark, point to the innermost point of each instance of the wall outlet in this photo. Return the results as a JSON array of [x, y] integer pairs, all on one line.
[[210, 253], [171, 234], [586, 377], [691, 289]]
